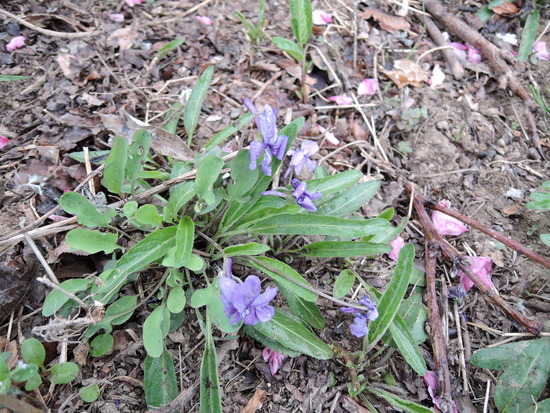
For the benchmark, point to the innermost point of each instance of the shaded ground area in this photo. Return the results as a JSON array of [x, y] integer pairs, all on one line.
[[465, 140]]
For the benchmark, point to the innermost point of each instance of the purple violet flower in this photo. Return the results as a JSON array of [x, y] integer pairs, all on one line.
[[304, 198], [273, 144], [359, 327], [300, 157], [244, 301]]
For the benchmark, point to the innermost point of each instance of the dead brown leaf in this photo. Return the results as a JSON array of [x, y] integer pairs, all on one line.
[[387, 22], [506, 9], [255, 402], [123, 38], [406, 72], [295, 70], [352, 406]]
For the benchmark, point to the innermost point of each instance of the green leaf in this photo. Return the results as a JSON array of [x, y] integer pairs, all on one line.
[[9, 78], [306, 310], [101, 345], [23, 372], [193, 106], [148, 215], [185, 236], [63, 373], [529, 35], [137, 154], [33, 352], [335, 183], [159, 380], [274, 268], [414, 315], [97, 157], [153, 247], [243, 178], [89, 394], [350, 200], [542, 406], [229, 131], [168, 47], [115, 164], [92, 241], [342, 249], [179, 196], [237, 250], [210, 400], [268, 342], [210, 296], [176, 300], [155, 329], [287, 330], [56, 299], [408, 348], [406, 405], [344, 283], [86, 212], [172, 118], [394, 293], [302, 20], [123, 306], [290, 47], [389, 235], [526, 365], [302, 224], [34, 382], [546, 239], [207, 174]]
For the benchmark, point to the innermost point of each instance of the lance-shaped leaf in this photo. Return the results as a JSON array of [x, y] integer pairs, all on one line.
[[155, 330], [113, 175], [342, 249], [193, 106], [207, 174], [229, 131], [349, 201], [286, 329], [87, 213], [302, 20], [210, 400], [92, 241], [290, 47], [159, 379], [137, 153]]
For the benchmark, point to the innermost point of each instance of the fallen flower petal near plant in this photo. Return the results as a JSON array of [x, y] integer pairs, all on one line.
[[204, 20], [396, 244], [482, 266], [321, 17], [15, 43], [367, 87], [541, 51], [3, 141], [432, 382], [132, 3], [245, 301], [341, 100], [275, 359], [437, 77], [117, 17], [446, 225]]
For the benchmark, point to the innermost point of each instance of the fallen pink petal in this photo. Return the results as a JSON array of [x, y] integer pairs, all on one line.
[[541, 51], [341, 100], [445, 224], [396, 244], [330, 139], [432, 382], [321, 17], [117, 17], [474, 55], [132, 3], [204, 20], [275, 359], [482, 266], [466, 52], [3, 141], [15, 43], [438, 77], [367, 87]]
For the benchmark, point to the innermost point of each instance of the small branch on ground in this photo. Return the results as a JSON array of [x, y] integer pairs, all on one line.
[[437, 337], [508, 77], [453, 256], [516, 246], [450, 56]]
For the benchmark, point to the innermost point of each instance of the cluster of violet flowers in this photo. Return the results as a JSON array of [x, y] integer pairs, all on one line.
[[274, 145]]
